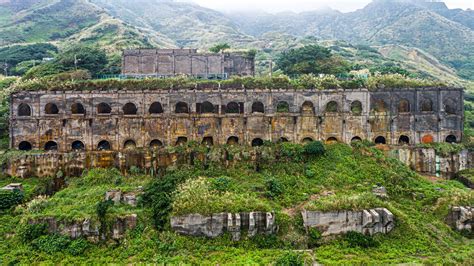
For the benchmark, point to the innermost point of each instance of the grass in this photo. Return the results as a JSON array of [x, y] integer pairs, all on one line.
[[340, 179]]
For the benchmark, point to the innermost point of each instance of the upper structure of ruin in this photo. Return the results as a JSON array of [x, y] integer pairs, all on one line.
[[172, 62], [119, 120]]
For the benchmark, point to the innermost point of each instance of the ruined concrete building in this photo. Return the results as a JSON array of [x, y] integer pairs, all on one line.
[[119, 120], [172, 62]]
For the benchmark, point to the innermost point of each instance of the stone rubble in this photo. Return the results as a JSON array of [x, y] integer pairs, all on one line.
[[119, 197], [13, 186]]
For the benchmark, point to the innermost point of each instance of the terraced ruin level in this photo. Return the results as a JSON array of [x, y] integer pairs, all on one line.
[[121, 120]]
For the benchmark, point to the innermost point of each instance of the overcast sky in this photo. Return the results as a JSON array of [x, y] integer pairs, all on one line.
[[302, 5]]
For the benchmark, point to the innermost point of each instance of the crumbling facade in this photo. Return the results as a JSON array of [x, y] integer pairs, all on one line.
[[67, 121], [172, 62]]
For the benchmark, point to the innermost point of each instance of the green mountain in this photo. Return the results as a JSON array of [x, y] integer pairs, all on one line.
[[68, 21]]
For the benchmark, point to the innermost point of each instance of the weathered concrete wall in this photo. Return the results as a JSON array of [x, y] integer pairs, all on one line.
[[368, 222], [217, 224], [89, 229], [219, 116], [461, 218], [74, 163], [171, 62]]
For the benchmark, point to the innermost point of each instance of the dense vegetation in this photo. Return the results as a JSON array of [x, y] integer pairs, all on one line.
[[287, 178]]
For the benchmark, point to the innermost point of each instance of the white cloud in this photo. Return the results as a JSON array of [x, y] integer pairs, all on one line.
[[302, 5]]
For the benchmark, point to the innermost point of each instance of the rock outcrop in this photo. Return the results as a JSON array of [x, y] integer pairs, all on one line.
[[119, 197], [13, 187], [89, 229], [369, 222], [217, 224], [461, 218]]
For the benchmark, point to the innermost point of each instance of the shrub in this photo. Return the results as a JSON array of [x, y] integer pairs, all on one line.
[[10, 199], [51, 243], [78, 247], [103, 176], [267, 241], [292, 151], [314, 148], [29, 232], [274, 187], [221, 184], [290, 259], [356, 239], [314, 237]]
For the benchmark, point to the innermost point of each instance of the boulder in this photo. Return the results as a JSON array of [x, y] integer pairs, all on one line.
[[461, 218], [13, 186], [118, 197], [369, 222]]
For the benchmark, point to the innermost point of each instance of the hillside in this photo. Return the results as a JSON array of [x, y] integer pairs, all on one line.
[[285, 180], [65, 22]]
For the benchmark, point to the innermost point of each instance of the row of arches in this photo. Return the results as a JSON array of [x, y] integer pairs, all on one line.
[[130, 144], [237, 108]]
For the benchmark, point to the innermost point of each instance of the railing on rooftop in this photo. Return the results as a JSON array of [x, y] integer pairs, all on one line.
[[222, 76]]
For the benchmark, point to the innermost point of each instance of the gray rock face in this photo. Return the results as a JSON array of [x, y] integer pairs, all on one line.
[[217, 224], [13, 186], [118, 197], [89, 229], [380, 192], [369, 222], [461, 218]]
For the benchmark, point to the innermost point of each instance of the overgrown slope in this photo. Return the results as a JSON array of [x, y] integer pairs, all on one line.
[[286, 179]]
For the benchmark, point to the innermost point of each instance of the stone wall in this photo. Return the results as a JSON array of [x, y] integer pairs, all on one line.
[[119, 120], [368, 222], [217, 224], [171, 62]]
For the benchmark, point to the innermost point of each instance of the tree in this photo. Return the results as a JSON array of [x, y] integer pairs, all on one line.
[[311, 59], [84, 57], [219, 48]]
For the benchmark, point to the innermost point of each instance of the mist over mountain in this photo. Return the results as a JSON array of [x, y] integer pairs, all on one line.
[[448, 34]]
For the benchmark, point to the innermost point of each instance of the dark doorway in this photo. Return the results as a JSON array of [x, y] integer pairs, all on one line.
[[104, 146], [78, 146], [51, 146], [25, 146], [257, 142]]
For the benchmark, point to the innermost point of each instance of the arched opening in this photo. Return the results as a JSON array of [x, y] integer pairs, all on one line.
[[24, 110], [427, 105], [356, 108], [427, 139], [450, 106], [155, 108], [205, 108], [208, 141], [104, 146], [104, 108], [403, 140], [181, 141], [283, 107], [331, 140], [403, 106], [307, 140], [78, 109], [356, 139], [78, 146], [380, 140], [307, 108], [182, 108], [156, 144], [233, 140], [258, 107], [379, 106], [51, 109], [257, 142], [283, 140], [232, 108], [130, 109], [25, 146], [451, 139], [332, 107], [51, 146], [130, 145]]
